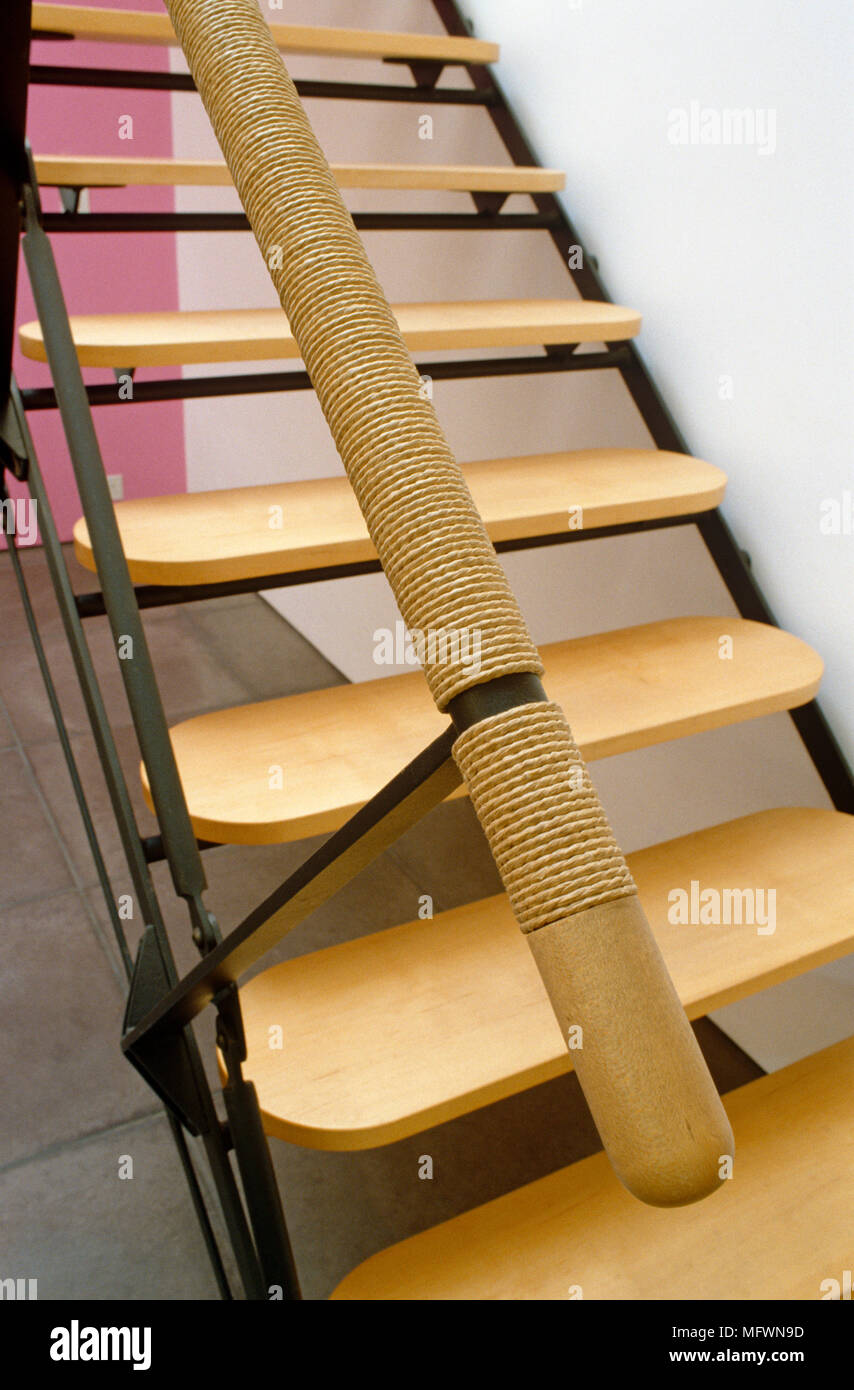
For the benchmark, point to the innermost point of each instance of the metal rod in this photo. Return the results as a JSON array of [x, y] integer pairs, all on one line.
[[264, 383], [68, 755], [199, 1207], [14, 59], [71, 763], [46, 74], [80, 434], [253, 1153], [146, 898], [155, 851], [263, 1198], [135, 663], [237, 221], [231, 1204], [421, 785], [166, 595], [495, 696]]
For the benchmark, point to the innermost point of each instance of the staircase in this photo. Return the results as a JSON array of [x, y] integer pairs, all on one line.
[[390, 1034]]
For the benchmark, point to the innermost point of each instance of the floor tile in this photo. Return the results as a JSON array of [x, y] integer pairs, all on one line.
[[48, 763], [31, 859], [61, 1008], [7, 735], [447, 855], [39, 588], [240, 877], [70, 1222], [256, 646], [189, 678]]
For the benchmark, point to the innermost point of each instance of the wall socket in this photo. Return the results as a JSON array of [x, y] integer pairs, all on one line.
[[116, 484]]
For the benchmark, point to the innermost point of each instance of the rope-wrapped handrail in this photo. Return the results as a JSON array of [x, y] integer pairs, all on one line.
[[650, 1093]]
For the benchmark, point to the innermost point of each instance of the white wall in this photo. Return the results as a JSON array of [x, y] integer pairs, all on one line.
[[594, 100], [741, 261]]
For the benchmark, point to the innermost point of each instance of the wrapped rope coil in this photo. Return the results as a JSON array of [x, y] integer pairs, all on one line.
[[427, 531], [645, 1080]]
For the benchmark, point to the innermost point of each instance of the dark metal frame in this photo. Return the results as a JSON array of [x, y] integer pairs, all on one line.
[[158, 1037], [173, 1067], [165, 595], [263, 383], [238, 222], [47, 75]]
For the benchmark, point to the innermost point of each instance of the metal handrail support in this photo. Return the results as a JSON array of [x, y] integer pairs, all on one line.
[[105, 746], [180, 1052], [19, 454], [134, 658], [169, 1057]]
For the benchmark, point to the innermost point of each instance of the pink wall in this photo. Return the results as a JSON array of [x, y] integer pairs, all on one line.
[[107, 273]]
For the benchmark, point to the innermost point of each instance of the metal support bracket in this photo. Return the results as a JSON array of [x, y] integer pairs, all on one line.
[[561, 351], [425, 72], [230, 1035], [489, 204], [247, 1138], [52, 35], [13, 450], [70, 198], [161, 1059]]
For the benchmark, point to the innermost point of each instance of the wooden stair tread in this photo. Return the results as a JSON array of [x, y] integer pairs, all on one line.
[[96, 171], [777, 1229], [136, 26], [180, 337], [209, 537], [389, 1034], [336, 747]]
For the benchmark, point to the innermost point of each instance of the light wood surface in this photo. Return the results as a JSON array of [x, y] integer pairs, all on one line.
[[136, 26], [337, 747], [646, 1083], [176, 337], [392, 1033], [95, 171], [205, 537], [778, 1229]]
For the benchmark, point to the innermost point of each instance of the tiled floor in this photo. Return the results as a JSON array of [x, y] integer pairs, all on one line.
[[73, 1111]]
